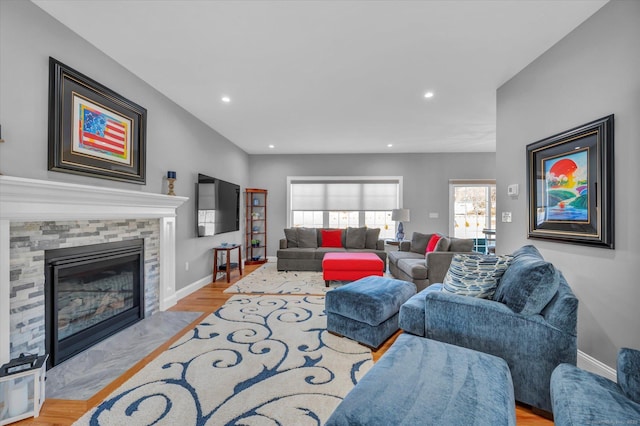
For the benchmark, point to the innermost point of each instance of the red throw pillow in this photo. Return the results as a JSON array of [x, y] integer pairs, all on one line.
[[331, 238], [433, 241]]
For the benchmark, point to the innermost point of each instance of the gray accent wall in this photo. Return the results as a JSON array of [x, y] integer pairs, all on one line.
[[425, 182], [591, 73], [176, 140]]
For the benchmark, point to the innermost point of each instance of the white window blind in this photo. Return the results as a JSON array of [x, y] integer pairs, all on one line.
[[345, 195]]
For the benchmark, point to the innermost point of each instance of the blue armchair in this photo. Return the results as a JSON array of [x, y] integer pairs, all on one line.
[[580, 397], [530, 323]]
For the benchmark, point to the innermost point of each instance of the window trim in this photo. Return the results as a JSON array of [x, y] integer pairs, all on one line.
[[465, 182]]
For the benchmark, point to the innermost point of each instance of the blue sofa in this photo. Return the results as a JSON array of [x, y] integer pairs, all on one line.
[[583, 398], [531, 323]]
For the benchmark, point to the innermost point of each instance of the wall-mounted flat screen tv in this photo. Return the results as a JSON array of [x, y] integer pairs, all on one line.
[[217, 206]]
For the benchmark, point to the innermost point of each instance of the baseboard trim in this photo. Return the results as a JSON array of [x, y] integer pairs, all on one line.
[[589, 363], [185, 291]]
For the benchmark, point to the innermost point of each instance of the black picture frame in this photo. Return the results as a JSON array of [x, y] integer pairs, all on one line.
[[570, 186], [93, 131]]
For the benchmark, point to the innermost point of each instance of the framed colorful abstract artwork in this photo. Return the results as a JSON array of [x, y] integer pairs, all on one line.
[[93, 131], [570, 185]]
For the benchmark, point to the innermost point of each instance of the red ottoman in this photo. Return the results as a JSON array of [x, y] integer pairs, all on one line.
[[350, 266]]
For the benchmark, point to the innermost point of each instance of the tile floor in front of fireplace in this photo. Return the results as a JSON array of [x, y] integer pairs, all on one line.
[[80, 377]]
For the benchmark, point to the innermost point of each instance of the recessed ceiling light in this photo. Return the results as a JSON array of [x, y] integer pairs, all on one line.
[[226, 99], [389, 145], [271, 146], [428, 95]]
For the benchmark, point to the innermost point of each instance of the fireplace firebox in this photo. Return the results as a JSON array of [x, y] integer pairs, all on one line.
[[91, 293]]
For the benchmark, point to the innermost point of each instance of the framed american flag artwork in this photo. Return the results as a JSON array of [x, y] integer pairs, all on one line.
[[93, 131]]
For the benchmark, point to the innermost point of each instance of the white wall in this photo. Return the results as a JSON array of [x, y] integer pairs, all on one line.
[[425, 177], [175, 139], [589, 74]]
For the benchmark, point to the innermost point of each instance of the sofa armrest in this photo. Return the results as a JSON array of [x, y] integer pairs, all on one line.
[[492, 327], [380, 245], [531, 346], [283, 243], [438, 263], [404, 246]]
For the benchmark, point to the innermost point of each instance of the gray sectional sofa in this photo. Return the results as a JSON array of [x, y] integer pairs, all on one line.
[[412, 263], [302, 248]]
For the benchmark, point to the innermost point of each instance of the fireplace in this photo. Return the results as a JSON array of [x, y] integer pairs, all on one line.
[[91, 293], [39, 215]]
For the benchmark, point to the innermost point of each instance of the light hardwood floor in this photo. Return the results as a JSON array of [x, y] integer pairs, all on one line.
[[206, 300]]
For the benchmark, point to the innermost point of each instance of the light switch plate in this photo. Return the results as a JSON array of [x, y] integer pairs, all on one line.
[[512, 190], [433, 215], [506, 216]]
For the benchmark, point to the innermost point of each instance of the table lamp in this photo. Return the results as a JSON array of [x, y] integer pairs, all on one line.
[[400, 215]]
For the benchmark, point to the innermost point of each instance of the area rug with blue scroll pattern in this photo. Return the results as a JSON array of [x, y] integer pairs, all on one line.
[[258, 360]]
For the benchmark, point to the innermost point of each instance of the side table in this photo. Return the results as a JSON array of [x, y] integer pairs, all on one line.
[[228, 266], [391, 245]]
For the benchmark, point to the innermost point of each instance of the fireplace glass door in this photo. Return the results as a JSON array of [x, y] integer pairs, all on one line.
[[94, 291]]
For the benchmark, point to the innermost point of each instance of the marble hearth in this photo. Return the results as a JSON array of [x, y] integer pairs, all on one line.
[[36, 215]]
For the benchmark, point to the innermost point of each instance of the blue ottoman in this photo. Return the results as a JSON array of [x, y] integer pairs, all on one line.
[[420, 381], [367, 310]]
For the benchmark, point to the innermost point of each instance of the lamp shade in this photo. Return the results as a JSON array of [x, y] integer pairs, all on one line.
[[400, 215]]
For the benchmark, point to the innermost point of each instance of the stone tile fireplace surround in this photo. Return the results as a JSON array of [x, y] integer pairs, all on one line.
[[36, 215]]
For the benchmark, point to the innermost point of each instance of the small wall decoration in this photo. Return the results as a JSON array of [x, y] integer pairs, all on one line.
[[570, 185], [93, 131]]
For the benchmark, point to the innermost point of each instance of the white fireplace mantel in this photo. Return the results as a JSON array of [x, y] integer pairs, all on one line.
[[32, 200]]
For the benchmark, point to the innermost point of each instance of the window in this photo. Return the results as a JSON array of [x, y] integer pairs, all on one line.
[[341, 202], [472, 206]]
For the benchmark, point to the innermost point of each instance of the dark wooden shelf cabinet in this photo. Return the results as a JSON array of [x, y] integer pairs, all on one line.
[[255, 226]]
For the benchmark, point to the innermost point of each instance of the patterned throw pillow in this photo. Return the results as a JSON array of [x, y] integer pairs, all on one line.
[[475, 275]]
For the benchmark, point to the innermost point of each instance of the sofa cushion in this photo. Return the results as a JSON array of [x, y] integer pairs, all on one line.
[[529, 283], [629, 373], [443, 244], [321, 251], [356, 238], [331, 237], [297, 253], [415, 268], [396, 256], [460, 244], [291, 234], [419, 242], [371, 239], [307, 238], [475, 275], [433, 241]]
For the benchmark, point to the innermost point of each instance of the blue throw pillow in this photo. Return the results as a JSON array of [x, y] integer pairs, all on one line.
[[529, 283], [475, 275]]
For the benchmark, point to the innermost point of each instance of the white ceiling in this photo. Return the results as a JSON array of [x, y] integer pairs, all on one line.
[[330, 76]]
